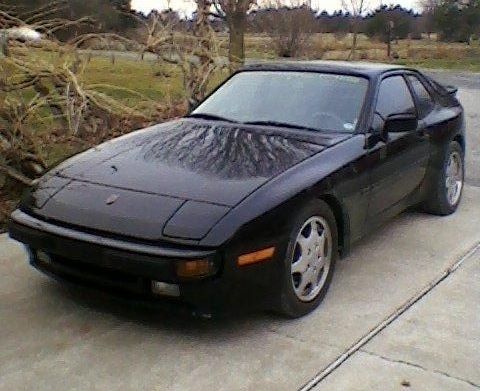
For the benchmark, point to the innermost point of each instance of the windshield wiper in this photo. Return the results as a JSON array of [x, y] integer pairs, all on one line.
[[211, 116], [281, 124]]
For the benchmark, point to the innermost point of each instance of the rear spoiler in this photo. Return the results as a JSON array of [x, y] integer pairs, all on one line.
[[452, 90], [445, 90]]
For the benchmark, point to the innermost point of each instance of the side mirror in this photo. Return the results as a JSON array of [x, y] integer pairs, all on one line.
[[376, 133], [395, 123]]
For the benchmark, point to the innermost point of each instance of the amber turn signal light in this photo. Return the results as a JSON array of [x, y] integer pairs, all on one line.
[[195, 268], [255, 257]]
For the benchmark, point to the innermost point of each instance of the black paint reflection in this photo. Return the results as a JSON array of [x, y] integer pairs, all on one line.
[[46, 188], [223, 151]]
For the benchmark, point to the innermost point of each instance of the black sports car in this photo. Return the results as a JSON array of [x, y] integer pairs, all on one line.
[[250, 199]]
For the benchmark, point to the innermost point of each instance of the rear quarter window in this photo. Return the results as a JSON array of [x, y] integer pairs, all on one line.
[[425, 102], [443, 97]]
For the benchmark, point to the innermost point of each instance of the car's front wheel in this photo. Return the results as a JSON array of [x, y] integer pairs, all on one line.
[[447, 182], [310, 259]]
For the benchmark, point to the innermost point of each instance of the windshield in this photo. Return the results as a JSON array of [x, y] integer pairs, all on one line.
[[312, 100]]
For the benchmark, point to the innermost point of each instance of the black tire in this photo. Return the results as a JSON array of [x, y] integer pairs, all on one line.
[[437, 202], [290, 305]]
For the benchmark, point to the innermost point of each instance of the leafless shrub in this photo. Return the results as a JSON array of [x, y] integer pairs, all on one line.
[[20, 157], [48, 87], [289, 28]]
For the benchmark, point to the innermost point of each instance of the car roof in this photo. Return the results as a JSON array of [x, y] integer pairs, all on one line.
[[368, 69]]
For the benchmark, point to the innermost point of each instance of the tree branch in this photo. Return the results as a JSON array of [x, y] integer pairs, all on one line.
[[11, 172]]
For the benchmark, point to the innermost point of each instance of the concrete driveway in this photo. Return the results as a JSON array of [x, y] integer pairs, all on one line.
[[402, 313]]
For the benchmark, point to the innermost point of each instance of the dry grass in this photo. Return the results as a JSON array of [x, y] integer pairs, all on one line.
[[425, 52]]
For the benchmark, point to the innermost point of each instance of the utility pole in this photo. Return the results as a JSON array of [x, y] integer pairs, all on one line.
[[389, 38], [4, 43]]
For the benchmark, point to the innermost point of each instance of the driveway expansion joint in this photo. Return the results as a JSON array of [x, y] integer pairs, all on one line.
[[411, 364], [362, 341]]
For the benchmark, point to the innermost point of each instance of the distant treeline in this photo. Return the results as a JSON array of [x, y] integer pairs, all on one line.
[[451, 20], [375, 24]]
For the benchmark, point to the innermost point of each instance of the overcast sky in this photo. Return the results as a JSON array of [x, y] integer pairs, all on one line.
[[187, 6]]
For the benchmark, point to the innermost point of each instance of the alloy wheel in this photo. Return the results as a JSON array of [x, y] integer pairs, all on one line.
[[454, 178], [312, 257]]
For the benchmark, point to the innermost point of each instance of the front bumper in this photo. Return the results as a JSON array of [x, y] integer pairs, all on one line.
[[128, 267]]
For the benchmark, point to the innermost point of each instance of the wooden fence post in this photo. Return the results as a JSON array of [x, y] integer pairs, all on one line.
[[4, 43]]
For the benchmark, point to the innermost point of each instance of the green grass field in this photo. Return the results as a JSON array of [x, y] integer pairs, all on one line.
[[157, 82]]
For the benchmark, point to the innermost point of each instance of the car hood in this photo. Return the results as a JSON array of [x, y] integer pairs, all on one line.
[[187, 173]]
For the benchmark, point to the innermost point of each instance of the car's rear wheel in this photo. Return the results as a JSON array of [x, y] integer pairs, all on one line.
[[447, 182], [310, 259]]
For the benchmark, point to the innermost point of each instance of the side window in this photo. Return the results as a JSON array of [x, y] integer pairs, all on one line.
[[425, 101], [394, 97]]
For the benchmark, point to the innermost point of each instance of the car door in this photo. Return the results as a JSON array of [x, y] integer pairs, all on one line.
[[398, 163]]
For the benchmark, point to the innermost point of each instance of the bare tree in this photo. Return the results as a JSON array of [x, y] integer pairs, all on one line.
[[429, 7], [196, 54], [356, 8], [234, 12], [199, 64]]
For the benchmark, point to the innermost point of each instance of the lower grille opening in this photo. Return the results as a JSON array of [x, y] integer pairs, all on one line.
[[87, 273]]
